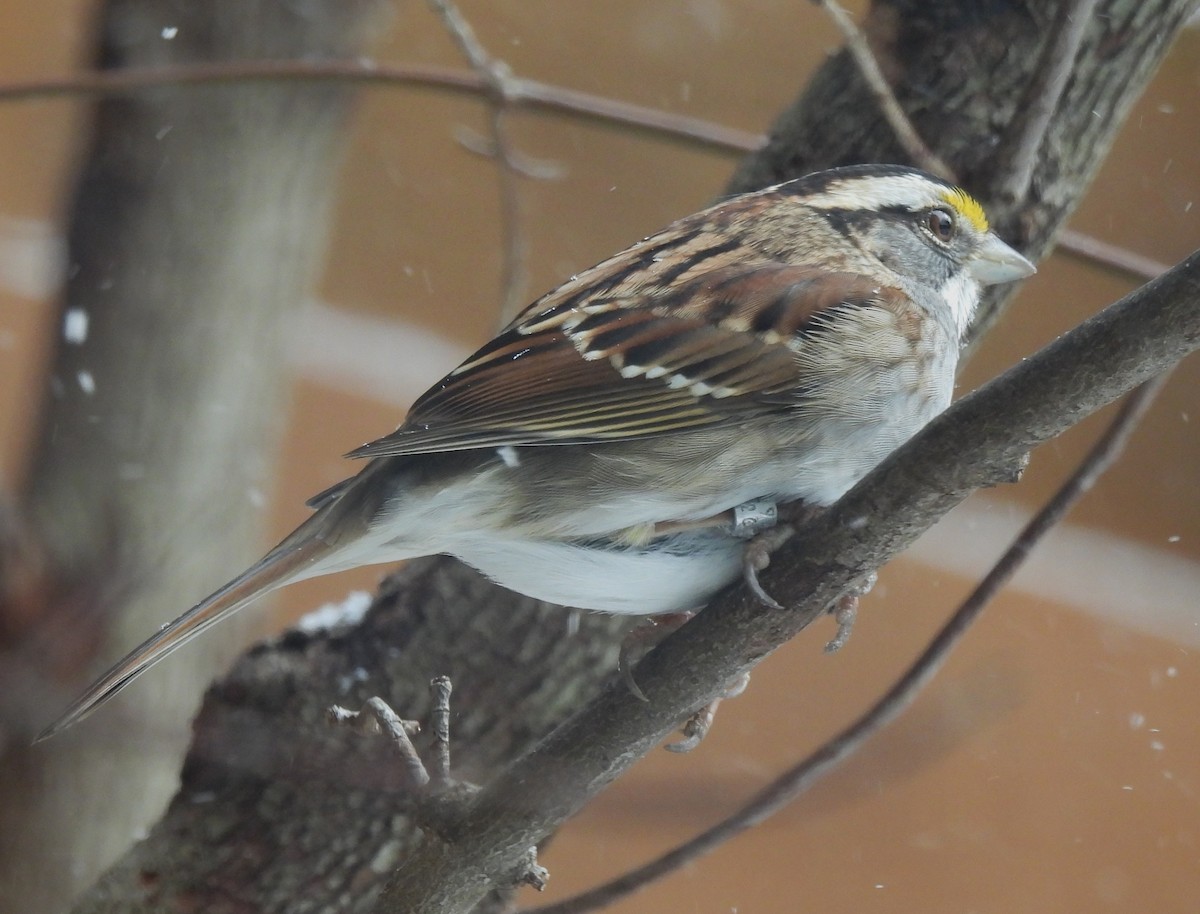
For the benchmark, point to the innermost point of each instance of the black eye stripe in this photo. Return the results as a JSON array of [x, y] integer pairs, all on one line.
[[850, 222]]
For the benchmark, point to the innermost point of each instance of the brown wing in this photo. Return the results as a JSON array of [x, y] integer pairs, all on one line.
[[717, 348]]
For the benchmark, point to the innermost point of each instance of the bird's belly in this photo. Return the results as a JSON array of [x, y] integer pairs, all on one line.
[[670, 575], [679, 479]]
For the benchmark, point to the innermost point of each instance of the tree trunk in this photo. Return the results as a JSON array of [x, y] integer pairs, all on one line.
[[197, 228]]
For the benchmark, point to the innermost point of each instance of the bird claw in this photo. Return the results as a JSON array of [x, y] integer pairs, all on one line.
[[646, 636], [757, 556], [845, 611], [696, 727]]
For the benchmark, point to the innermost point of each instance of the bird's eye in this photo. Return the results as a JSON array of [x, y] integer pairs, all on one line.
[[941, 223]]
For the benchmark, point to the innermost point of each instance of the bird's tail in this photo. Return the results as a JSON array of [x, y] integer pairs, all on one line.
[[291, 560]]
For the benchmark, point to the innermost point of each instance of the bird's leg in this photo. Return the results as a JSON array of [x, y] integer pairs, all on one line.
[[756, 522], [646, 636], [757, 556], [746, 520]]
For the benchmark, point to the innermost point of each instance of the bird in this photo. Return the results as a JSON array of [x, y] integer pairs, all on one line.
[[771, 348]]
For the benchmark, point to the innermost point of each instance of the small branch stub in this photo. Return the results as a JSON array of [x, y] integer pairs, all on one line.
[[377, 717], [441, 689]]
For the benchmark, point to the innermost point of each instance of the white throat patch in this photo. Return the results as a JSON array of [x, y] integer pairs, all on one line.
[[961, 293]]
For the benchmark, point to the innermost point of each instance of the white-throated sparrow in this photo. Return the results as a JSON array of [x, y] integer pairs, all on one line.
[[773, 347]]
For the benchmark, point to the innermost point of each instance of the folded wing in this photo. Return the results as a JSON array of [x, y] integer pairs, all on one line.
[[719, 348]]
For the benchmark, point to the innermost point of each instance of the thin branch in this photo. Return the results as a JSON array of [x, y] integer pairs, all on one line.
[[515, 248], [472, 48], [1016, 156], [868, 66], [1102, 253], [377, 717], [522, 162], [797, 780], [498, 77], [524, 93]]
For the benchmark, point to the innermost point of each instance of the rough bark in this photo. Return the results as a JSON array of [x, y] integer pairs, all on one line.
[[196, 228], [263, 776]]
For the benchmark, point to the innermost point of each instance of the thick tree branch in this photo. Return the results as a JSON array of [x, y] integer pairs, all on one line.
[[1016, 157]]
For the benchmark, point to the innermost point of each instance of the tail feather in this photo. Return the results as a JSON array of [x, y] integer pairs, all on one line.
[[291, 560]]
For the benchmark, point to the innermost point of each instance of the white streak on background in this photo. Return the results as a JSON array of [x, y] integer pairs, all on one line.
[[32, 257], [1147, 589], [392, 361]]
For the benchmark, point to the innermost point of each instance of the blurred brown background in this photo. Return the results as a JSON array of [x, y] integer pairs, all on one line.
[[1053, 766]]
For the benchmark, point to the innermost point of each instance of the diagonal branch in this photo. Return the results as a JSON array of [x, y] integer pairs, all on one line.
[[977, 442], [1105, 254], [800, 777]]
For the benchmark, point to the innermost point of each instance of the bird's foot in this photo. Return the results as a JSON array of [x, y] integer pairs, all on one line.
[[756, 557], [641, 640], [845, 611], [696, 727]]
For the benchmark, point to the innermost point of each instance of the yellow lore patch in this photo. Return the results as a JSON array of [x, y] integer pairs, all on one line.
[[967, 207]]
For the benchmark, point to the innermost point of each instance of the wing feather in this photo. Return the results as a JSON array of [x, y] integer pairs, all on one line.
[[721, 347]]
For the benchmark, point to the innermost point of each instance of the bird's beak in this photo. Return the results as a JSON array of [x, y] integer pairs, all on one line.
[[997, 262]]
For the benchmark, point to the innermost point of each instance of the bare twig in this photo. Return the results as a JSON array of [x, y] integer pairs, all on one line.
[[515, 248], [524, 93], [794, 782], [868, 66], [376, 716], [1016, 155], [522, 162], [1102, 253], [441, 688], [494, 71], [527, 93], [498, 77]]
